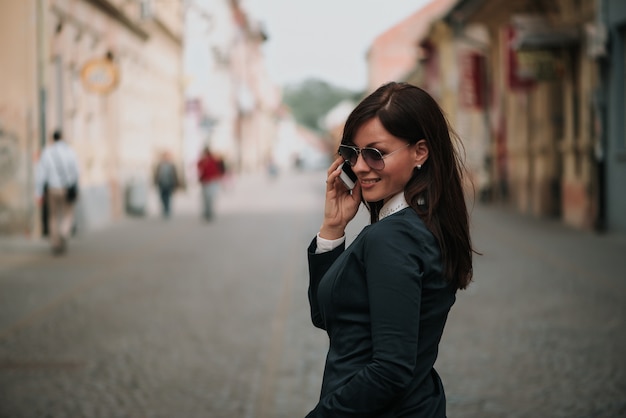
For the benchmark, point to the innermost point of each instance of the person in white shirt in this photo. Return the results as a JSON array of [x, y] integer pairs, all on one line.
[[57, 180]]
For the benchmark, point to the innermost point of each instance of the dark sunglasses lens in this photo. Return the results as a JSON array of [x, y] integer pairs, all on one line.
[[373, 158], [349, 154]]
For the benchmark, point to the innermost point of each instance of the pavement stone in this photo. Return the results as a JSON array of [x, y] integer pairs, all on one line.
[[184, 318]]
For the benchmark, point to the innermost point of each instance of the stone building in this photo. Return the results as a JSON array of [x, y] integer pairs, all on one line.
[[394, 53], [106, 72], [528, 62], [536, 91], [607, 43]]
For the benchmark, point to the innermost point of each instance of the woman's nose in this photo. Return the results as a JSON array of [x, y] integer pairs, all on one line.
[[360, 164]]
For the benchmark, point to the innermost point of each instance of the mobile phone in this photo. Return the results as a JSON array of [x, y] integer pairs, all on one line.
[[347, 176]]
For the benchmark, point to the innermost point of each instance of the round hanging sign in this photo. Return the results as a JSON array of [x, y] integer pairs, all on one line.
[[100, 76]]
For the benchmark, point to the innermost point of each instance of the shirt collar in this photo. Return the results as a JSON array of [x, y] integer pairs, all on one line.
[[393, 205]]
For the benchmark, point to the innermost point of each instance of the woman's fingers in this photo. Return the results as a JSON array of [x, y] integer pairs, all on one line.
[[333, 172], [335, 165]]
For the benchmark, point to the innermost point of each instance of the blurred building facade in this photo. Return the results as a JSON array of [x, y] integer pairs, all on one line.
[[127, 80], [536, 91], [298, 147], [394, 53], [106, 72], [334, 121], [232, 104], [608, 37]]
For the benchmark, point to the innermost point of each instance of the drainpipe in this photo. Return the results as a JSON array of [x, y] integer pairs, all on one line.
[[40, 115], [600, 124], [41, 71]]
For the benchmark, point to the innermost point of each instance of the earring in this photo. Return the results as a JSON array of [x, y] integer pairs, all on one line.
[[419, 167]]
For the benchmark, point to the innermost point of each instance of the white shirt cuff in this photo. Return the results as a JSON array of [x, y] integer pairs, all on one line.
[[325, 245]]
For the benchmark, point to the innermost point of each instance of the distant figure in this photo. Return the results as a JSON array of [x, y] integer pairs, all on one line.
[[166, 180], [210, 170], [57, 181], [272, 168]]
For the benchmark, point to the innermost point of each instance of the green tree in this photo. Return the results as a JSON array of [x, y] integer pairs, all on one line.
[[311, 100]]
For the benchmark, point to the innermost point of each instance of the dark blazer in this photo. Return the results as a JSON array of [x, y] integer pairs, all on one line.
[[384, 304]]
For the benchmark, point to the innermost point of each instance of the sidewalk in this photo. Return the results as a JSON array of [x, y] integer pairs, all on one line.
[[20, 244], [261, 194], [246, 192], [144, 311]]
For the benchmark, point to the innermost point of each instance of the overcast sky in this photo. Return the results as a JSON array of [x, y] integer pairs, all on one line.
[[326, 39]]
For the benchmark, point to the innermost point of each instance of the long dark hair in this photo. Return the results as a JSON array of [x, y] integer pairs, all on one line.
[[435, 191]]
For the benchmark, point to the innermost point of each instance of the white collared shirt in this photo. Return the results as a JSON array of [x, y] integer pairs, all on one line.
[[58, 167], [393, 205]]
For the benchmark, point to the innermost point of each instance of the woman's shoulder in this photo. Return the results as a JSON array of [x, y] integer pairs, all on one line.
[[403, 225], [402, 235], [404, 220]]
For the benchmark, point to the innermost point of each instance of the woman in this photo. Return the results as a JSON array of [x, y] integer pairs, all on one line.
[[385, 299]]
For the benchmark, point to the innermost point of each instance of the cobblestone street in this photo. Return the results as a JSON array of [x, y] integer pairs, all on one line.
[[183, 318]]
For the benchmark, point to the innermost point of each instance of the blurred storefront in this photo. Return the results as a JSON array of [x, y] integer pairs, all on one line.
[[536, 92], [541, 79], [106, 72], [452, 69], [607, 42]]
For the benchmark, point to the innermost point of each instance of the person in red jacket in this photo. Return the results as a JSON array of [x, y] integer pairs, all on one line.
[[210, 170]]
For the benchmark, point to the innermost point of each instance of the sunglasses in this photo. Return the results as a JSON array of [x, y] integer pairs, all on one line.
[[372, 157]]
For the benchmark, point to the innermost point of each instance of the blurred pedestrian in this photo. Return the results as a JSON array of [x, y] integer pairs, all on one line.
[[166, 180], [384, 300], [272, 168], [210, 169], [57, 181]]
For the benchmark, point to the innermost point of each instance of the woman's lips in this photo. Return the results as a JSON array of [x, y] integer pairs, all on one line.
[[368, 183]]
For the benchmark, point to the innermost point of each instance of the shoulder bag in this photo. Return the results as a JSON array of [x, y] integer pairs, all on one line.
[[71, 193]]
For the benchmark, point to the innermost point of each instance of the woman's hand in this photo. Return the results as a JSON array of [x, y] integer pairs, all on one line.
[[341, 205]]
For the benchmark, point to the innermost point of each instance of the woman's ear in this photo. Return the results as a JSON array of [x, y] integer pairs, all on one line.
[[421, 152]]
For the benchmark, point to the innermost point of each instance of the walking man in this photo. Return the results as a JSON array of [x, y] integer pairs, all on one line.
[[57, 180], [166, 180]]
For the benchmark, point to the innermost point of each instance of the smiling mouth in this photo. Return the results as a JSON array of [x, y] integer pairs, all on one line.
[[369, 181]]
